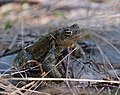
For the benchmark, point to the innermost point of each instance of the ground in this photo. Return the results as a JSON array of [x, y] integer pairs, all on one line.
[[27, 21]]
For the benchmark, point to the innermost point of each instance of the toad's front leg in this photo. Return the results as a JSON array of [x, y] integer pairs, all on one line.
[[49, 64]]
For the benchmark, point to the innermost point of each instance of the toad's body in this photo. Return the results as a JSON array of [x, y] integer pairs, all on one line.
[[48, 49]]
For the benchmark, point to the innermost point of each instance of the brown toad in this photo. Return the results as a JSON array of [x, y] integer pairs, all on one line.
[[48, 49]]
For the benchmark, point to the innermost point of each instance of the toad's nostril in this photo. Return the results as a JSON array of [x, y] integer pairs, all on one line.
[[61, 30]]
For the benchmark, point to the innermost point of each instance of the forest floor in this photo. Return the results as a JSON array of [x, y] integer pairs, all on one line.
[[27, 21]]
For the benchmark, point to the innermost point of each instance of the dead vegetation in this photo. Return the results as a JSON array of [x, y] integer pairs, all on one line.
[[22, 23]]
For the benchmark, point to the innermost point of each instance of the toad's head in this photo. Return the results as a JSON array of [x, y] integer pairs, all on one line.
[[71, 31], [68, 35]]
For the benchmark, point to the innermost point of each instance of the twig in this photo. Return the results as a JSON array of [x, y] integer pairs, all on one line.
[[10, 53], [64, 79], [116, 93], [100, 90]]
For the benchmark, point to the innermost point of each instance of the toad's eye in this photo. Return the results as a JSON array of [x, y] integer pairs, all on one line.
[[68, 33]]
